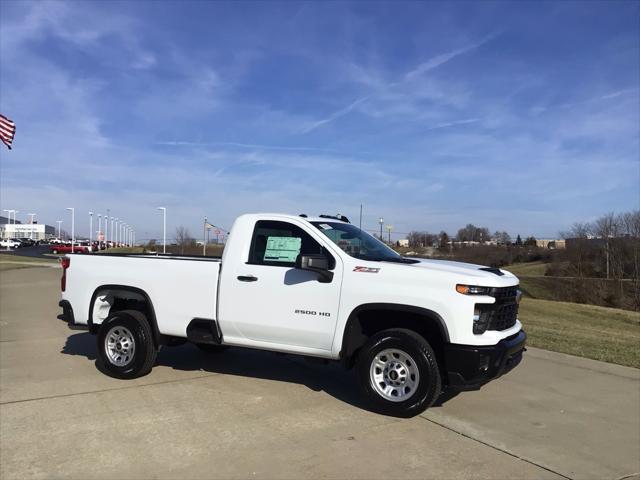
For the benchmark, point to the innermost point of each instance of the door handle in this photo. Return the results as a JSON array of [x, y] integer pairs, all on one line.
[[247, 278]]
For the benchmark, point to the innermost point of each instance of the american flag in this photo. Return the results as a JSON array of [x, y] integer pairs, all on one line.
[[7, 131]]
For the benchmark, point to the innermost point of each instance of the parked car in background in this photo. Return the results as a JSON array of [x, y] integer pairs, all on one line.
[[27, 242], [9, 243], [77, 248]]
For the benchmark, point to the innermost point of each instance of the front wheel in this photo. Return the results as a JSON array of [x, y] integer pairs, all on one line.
[[398, 373], [125, 345]]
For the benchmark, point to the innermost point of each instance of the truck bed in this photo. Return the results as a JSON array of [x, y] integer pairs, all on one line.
[[180, 287]]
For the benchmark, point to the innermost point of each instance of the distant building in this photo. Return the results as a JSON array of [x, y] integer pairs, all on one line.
[[550, 243], [403, 242], [35, 231]]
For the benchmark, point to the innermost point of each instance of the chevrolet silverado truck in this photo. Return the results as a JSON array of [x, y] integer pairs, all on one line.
[[316, 287]]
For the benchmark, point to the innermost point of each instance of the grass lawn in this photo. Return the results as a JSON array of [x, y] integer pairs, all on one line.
[[13, 262], [606, 334], [531, 269]]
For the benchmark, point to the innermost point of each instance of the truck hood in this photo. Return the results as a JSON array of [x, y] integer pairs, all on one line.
[[480, 273]]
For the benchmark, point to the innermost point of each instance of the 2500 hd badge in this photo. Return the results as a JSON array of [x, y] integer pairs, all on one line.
[[312, 312]]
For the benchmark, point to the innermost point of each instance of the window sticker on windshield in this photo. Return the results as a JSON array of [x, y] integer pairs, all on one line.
[[282, 249], [366, 269], [325, 226]]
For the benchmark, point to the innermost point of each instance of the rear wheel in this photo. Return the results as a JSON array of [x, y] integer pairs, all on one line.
[[125, 345], [398, 373]]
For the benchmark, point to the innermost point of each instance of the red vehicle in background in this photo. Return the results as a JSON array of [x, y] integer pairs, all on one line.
[[82, 247]]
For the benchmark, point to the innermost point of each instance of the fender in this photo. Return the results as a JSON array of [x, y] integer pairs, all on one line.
[[351, 325], [157, 336]]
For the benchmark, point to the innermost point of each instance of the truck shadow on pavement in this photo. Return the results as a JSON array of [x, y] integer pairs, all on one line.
[[330, 378]]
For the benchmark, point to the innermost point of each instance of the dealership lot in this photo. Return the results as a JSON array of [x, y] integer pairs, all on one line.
[[257, 414]]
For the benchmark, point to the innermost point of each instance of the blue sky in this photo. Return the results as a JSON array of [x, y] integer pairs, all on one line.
[[516, 116]]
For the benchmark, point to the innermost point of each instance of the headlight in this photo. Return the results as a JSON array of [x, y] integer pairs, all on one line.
[[472, 290]]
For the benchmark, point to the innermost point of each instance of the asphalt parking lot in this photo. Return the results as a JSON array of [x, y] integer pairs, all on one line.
[[253, 414]]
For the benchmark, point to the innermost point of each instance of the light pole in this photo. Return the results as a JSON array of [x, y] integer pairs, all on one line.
[[389, 228], [90, 226], [164, 229], [32, 215], [99, 229], [106, 228], [14, 216], [112, 219], [8, 213], [59, 234], [73, 227], [381, 221]]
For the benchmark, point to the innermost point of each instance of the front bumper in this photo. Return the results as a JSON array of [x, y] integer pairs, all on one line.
[[469, 367], [67, 316]]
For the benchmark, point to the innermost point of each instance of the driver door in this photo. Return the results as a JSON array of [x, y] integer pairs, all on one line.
[[276, 303]]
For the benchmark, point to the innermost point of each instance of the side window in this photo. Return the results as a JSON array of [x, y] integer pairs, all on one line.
[[279, 244]]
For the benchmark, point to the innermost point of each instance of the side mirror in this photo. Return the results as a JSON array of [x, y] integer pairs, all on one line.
[[315, 263]]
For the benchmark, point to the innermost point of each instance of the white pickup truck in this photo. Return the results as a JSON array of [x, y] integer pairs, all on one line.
[[318, 287]]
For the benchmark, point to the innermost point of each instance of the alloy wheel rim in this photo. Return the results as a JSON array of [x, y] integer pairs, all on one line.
[[394, 375], [119, 346]]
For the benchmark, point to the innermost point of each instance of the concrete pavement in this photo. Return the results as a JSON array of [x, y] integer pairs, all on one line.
[[256, 414]]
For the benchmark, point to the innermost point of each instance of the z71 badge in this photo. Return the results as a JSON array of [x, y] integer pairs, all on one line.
[[366, 269]]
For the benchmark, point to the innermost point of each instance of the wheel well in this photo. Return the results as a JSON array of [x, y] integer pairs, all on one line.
[[365, 322], [114, 298]]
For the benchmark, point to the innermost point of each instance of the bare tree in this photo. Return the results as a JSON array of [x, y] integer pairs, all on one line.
[[422, 239], [502, 238], [471, 233], [183, 238]]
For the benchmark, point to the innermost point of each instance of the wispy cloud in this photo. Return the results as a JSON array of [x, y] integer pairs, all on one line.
[[596, 98], [454, 123], [443, 58], [248, 146], [335, 115], [382, 87]]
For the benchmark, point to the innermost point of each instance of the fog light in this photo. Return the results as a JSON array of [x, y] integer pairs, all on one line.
[[480, 321]]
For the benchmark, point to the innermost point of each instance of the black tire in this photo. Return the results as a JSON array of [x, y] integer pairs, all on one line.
[[210, 348], [417, 349], [144, 353]]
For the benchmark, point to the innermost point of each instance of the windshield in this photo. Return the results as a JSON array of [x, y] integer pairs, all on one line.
[[358, 243]]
